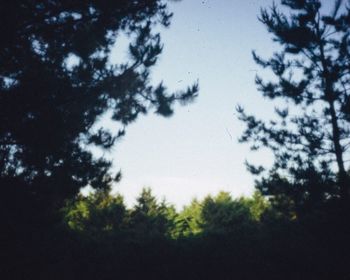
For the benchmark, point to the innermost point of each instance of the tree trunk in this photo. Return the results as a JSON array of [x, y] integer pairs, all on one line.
[[343, 177], [329, 96]]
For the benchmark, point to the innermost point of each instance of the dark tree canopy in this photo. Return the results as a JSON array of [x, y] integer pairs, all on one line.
[[311, 138], [56, 80]]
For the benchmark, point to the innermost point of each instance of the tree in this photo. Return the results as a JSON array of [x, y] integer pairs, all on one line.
[[189, 220], [313, 129], [57, 80], [257, 205], [96, 214], [150, 219], [223, 215]]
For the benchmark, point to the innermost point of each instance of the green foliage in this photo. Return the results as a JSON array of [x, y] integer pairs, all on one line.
[[96, 214], [188, 221], [221, 214], [258, 205], [103, 213], [150, 219]]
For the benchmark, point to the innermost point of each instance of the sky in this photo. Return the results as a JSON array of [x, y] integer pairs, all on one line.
[[196, 151]]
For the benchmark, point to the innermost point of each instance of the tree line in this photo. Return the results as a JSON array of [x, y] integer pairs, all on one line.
[[98, 237], [101, 213]]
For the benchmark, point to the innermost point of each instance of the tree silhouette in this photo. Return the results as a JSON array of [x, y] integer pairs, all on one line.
[[310, 140], [57, 80]]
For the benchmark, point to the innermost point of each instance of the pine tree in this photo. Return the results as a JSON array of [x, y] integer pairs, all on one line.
[[310, 139], [57, 80], [97, 214], [150, 219]]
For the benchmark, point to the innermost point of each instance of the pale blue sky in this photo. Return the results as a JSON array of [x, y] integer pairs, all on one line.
[[196, 152]]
